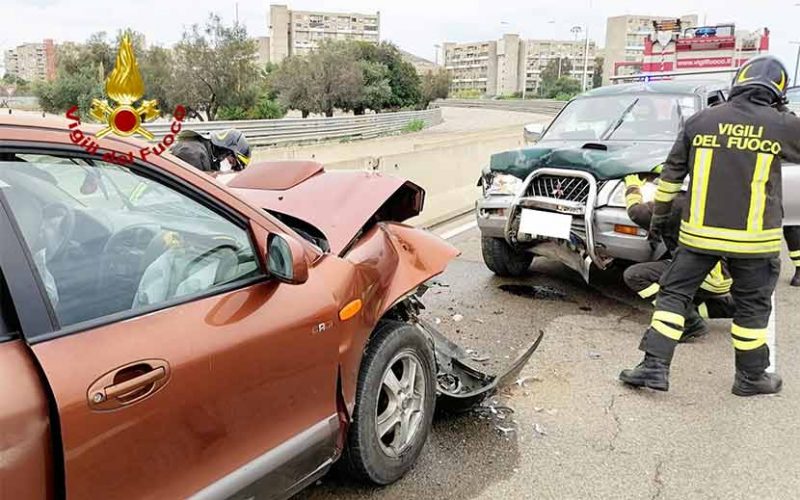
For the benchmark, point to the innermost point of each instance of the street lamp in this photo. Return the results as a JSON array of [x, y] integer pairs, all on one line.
[[796, 62], [437, 47]]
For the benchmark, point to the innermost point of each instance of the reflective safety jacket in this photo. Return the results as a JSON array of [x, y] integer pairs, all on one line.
[[733, 154]]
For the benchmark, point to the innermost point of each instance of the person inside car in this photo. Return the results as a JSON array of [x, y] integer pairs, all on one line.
[[223, 151]]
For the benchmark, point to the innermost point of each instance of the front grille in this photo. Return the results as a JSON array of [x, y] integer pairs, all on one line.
[[561, 188]]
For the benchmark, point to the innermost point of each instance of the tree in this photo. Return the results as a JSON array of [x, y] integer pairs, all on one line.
[[435, 85], [157, 68], [403, 78], [597, 76], [563, 89], [328, 78], [377, 91], [215, 67], [20, 85], [551, 73]]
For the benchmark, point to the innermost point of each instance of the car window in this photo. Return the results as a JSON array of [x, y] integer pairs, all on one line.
[[623, 117], [793, 95], [106, 240]]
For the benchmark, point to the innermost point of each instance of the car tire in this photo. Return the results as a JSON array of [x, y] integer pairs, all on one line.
[[503, 260], [383, 459]]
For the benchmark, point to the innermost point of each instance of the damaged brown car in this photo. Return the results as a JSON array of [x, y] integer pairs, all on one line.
[[163, 335]]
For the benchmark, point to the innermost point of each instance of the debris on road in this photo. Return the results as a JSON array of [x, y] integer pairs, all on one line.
[[458, 317], [539, 292], [539, 430], [594, 355]]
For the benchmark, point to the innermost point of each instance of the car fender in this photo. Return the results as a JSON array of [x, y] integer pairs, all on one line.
[[390, 261]]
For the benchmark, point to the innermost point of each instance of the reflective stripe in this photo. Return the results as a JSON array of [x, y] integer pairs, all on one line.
[[748, 333], [700, 175], [666, 331], [665, 197], [748, 345], [716, 282], [795, 254], [137, 192], [735, 235], [669, 187], [702, 309], [758, 192], [669, 317], [740, 247], [632, 199], [649, 291]]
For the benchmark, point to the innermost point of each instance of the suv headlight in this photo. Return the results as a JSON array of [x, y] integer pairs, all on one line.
[[617, 198], [504, 184]]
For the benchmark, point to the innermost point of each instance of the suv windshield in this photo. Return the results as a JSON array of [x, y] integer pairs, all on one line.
[[623, 118]]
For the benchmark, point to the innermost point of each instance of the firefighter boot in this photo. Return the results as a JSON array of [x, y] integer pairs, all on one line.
[[652, 372], [752, 384], [695, 326], [796, 278]]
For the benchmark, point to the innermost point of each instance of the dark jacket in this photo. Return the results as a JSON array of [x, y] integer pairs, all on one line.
[[733, 153], [197, 152], [642, 213]]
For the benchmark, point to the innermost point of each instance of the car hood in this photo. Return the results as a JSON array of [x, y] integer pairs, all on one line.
[[607, 160], [340, 204]]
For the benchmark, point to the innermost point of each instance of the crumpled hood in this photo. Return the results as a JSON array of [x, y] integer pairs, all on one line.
[[338, 203], [621, 158]]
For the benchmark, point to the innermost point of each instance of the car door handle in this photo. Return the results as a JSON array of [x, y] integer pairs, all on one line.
[[128, 384]]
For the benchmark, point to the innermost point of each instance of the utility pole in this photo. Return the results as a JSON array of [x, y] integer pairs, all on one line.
[[796, 63], [586, 59]]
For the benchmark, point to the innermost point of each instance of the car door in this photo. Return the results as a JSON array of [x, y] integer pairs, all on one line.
[[175, 363], [791, 173]]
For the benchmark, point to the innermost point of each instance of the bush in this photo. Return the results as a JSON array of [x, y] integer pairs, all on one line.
[[467, 94], [267, 109], [232, 113], [414, 125]]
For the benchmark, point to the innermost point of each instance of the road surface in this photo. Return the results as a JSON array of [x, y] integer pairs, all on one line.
[[576, 432]]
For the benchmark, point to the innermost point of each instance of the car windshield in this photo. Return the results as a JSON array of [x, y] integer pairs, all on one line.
[[623, 118]]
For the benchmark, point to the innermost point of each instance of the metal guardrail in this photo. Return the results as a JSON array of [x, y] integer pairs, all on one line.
[[541, 106], [302, 130]]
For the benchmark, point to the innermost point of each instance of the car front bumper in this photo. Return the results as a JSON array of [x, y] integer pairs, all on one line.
[[498, 217]]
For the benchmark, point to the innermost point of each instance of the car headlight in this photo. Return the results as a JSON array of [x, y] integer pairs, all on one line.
[[617, 198], [504, 184]]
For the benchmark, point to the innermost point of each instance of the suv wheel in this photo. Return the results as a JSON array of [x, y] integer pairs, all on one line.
[[394, 404], [503, 260]]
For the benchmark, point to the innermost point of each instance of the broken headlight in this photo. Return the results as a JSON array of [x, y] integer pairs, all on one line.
[[504, 184], [617, 198]]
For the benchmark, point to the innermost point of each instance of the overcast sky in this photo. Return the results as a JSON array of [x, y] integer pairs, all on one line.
[[414, 25]]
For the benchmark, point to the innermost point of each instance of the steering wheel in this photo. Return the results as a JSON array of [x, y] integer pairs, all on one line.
[[58, 223]]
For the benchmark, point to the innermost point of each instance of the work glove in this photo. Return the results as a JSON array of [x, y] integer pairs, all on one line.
[[658, 226], [633, 181]]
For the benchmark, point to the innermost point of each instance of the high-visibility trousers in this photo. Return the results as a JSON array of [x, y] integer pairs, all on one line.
[[753, 284], [644, 279], [792, 236]]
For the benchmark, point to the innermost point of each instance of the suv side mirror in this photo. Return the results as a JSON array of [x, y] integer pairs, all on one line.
[[533, 132], [286, 259]]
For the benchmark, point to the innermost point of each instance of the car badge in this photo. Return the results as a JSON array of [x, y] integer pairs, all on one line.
[[558, 192], [125, 87]]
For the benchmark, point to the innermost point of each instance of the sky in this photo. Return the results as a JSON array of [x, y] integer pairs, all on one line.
[[416, 26]]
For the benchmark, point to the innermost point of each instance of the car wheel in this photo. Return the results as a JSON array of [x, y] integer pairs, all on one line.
[[503, 260], [395, 402]]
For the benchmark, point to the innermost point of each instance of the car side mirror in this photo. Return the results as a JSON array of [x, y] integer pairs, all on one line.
[[286, 259], [534, 132]]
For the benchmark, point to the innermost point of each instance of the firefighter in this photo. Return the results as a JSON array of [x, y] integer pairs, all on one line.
[[792, 236], [213, 152], [713, 299], [733, 154]]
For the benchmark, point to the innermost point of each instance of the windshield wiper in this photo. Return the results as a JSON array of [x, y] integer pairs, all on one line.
[[617, 124]]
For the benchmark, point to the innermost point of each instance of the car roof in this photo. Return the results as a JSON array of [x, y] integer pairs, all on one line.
[[658, 87]]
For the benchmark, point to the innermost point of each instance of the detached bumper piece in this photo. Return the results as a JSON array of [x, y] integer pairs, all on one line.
[[461, 386]]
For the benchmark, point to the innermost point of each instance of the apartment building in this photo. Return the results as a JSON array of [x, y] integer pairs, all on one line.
[[625, 42], [540, 53], [296, 32], [511, 64], [32, 61]]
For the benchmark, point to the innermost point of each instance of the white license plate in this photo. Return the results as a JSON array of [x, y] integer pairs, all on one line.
[[538, 223]]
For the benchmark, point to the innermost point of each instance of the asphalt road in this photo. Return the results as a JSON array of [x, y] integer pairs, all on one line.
[[575, 431]]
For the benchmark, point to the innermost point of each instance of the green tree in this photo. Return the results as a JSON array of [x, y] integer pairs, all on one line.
[[328, 78], [215, 66], [555, 69], [563, 89], [157, 72], [21, 86], [435, 85], [377, 91], [597, 76]]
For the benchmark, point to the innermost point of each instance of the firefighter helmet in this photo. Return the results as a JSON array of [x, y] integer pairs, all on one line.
[[764, 71], [234, 141]]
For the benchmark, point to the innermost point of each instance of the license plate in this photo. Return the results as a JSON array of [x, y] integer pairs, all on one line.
[[538, 223]]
